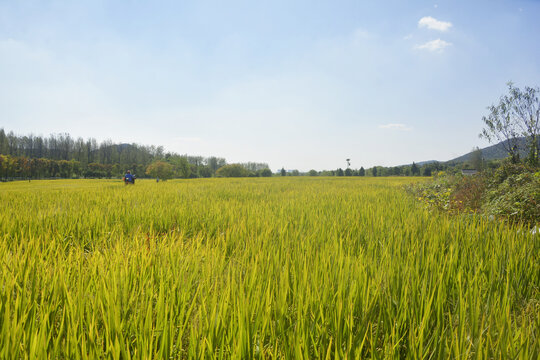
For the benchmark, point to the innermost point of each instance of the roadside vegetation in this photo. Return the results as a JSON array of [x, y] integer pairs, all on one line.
[[510, 190], [510, 193]]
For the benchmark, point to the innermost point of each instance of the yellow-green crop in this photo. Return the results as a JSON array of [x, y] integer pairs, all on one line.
[[258, 268]]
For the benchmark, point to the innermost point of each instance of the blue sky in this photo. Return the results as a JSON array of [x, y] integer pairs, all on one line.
[[298, 84]]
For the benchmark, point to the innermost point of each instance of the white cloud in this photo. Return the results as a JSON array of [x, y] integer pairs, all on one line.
[[434, 45], [434, 24], [361, 33], [401, 127], [407, 37]]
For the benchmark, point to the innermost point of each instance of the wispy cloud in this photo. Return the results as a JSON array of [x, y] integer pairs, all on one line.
[[434, 45], [361, 34], [401, 127], [434, 24]]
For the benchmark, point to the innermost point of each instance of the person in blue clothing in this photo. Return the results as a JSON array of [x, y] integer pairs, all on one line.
[[129, 178]]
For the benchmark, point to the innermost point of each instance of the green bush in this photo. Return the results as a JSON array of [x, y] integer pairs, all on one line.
[[510, 192], [232, 170], [514, 194]]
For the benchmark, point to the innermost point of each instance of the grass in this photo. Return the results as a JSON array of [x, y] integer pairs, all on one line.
[[258, 268]]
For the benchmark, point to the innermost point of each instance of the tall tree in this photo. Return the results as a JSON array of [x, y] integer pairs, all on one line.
[[517, 113], [3, 142], [526, 112], [415, 170], [477, 160], [160, 169]]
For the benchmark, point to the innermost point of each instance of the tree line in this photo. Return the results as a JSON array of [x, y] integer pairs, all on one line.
[[427, 169], [62, 156]]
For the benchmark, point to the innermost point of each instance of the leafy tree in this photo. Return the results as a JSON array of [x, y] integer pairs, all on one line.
[[65, 168], [283, 172], [265, 172], [205, 171], [254, 166], [526, 112], [160, 169], [339, 172], [415, 171], [374, 171], [313, 172], [232, 170], [348, 172], [181, 166], [396, 170], [517, 113], [215, 163], [362, 171], [477, 161], [3, 142]]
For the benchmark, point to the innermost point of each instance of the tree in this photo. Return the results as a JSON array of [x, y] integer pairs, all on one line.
[[476, 159], [215, 163], [254, 166], [160, 169], [205, 171], [181, 166], [232, 170], [517, 113], [340, 172], [3, 142], [283, 172], [265, 172], [415, 170], [374, 171], [348, 172], [313, 172], [526, 113], [65, 168], [362, 171]]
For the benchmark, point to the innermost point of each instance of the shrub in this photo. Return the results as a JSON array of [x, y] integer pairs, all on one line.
[[232, 170], [511, 192], [468, 192], [265, 172], [516, 199]]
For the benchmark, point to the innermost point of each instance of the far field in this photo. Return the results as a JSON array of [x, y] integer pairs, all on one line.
[[258, 268]]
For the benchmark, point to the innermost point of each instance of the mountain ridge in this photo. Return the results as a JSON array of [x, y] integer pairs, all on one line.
[[492, 152]]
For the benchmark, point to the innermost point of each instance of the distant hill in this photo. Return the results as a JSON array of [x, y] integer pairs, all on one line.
[[421, 163], [495, 152]]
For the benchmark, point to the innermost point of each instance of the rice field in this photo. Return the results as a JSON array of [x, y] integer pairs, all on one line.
[[276, 268]]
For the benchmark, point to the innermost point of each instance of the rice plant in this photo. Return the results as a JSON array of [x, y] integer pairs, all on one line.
[[258, 268]]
